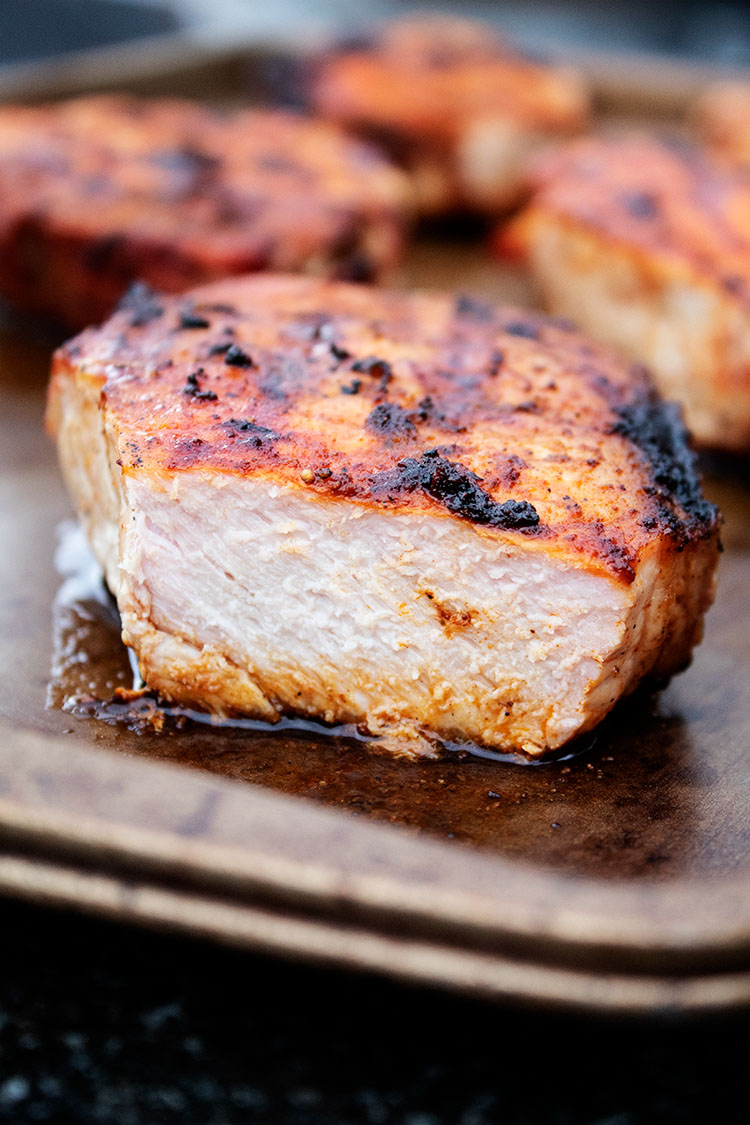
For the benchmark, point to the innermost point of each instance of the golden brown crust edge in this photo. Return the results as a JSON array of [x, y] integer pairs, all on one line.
[[416, 402]]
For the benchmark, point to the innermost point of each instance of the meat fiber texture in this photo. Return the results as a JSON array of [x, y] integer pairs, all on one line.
[[646, 244], [439, 519], [98, 192], [455, 103]]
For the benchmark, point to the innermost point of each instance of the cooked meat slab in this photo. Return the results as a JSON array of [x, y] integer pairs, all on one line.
[[722, 115], [646, 245], [100, 191], [459, 106], [421, 513]]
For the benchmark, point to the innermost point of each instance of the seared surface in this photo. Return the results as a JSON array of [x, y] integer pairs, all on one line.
[[395, 401], [722, 115], [646, 244], [418, 512], [99, 191], [455, 102]]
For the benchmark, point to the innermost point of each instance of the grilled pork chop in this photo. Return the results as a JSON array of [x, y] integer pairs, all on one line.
[[646, 244], [420, 513], [99, 191], [722, 115], [459, 106]]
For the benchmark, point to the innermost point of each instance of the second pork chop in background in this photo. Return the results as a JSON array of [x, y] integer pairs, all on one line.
[[99, 191], [645, 243], [457, 105]]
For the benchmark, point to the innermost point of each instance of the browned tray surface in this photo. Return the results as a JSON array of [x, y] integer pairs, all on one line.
[[620, 878]]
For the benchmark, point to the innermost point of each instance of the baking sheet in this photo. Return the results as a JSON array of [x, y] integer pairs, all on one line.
[[616, 879]]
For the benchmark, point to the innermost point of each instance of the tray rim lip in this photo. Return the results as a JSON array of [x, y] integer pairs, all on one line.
[[499, 979], [639, 919], [736, 935]]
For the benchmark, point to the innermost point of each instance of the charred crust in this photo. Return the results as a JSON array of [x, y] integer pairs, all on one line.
[[523, 328], [510, 466], [221, 307], [142, 303], [189, 319], [352, 388], [339, 353], [468, 307], [459, 490], [390, 421], [657, 431], [601, 462], [193, 389], [255, 434], [236, 357], [428, 411], [371, 365]]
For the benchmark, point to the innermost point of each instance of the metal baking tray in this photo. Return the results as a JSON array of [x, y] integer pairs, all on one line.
[[617, 880]]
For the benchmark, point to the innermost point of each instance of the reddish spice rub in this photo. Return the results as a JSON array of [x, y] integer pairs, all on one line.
[[561, 443], [657, 196]]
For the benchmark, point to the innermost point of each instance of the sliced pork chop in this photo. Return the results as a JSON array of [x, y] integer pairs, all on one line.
[[420, 513], [646, 245], [99, 191], [460, 107]]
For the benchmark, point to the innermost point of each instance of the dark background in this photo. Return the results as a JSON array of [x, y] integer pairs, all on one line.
[[717, 33], [102, 1023]]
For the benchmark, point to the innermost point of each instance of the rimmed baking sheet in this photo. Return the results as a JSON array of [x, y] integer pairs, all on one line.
[[618, 879]]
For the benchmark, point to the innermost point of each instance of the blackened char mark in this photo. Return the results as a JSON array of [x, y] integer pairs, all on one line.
[[429, 411], [459, 490], [523, 328], [236, 357], [468, 307], [371, 365], [390, 421], [253, 433], [657, 430], [193, 390], [190, 319], [144, 304]]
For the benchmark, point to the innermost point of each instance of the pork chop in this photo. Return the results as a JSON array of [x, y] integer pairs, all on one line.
[[421, 513], [100, 191], [646, 245], [455, 102]]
